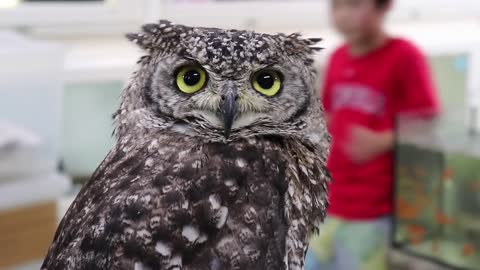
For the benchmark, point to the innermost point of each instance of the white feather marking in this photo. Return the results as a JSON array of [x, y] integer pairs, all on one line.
[[146, 199], [202, 239], [140, 266], [149, 162], [167, 188], [295, 223], [175, 261], [197, 164], [222, 216], [211, 118], [129, 231], [185, 204], [223, 242], [291, 190], [303, 222], [308, 198], [163, 249], [214, 201], [183, 154], [118, 199], [246, 120], [144, 234], [131, 199], [190, 232], [304, 169], [229, 183], [240, 163]]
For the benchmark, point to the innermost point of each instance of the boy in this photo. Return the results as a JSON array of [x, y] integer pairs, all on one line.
[[370, 80]]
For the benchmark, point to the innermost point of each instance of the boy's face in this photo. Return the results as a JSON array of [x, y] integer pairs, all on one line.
[[357, 19]]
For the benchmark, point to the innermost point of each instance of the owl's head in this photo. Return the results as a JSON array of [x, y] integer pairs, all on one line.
[[220, 84]]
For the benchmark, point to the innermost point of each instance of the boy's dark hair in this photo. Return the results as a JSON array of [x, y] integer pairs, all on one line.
[[382, 3]]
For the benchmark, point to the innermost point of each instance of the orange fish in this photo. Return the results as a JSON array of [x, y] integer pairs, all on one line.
[[468, 250], [416, 234], [406, 210], [447, 174], [418, 230], [442, 219]]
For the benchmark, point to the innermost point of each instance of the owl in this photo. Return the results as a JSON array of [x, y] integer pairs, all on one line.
[[219, 160]]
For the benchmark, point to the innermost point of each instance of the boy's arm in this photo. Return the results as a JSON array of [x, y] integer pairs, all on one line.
[[366, 144]]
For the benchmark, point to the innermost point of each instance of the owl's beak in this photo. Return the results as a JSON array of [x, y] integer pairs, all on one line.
[[229, 110]]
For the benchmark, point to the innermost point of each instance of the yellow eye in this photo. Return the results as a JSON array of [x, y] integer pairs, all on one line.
[[191, 79], [267, 82]]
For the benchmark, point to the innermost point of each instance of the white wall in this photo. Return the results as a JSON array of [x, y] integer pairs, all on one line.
[[97, 52], [117, 16]]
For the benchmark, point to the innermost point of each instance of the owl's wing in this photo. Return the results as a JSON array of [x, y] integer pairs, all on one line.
[[112, 204], [306, 201]]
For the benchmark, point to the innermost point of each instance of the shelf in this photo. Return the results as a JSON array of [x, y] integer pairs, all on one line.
[[259, 15]]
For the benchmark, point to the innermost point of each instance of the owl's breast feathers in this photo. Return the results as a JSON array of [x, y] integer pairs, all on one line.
[[176, 203]]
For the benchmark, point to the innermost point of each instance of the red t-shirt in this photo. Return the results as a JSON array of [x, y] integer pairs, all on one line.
[[370, 91]]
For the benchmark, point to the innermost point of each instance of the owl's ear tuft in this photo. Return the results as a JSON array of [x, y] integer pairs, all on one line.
[[151, 28], [142, 40], [312, 42], [156, 35], [296, 44]]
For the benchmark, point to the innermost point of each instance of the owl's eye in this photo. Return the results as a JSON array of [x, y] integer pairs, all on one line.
[[191, 79], [267, 82]]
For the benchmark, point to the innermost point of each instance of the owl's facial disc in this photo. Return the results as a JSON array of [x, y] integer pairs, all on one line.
[[256, 99], [226, 104]]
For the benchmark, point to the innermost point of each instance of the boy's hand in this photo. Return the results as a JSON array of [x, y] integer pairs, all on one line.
[[366, 144]]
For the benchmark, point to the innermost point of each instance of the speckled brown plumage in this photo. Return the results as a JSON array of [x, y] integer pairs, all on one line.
[[175, 193]]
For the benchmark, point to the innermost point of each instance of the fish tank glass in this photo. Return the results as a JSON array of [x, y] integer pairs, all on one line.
[[437, 179]]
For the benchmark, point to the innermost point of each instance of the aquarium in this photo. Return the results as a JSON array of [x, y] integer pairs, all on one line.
[[437, 198], [437, 178]]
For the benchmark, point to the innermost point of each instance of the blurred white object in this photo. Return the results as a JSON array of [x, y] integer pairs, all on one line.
[[31, 87], [21, 153], [13, 136], [33, 190]]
